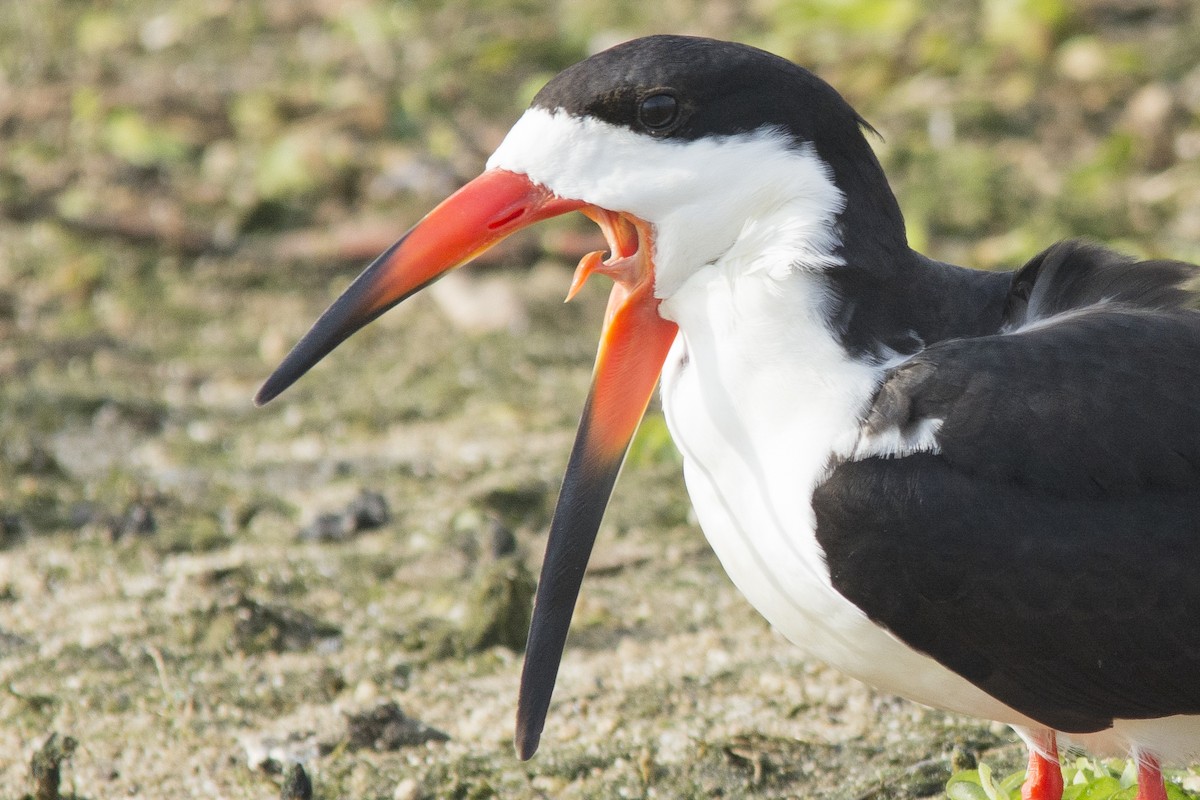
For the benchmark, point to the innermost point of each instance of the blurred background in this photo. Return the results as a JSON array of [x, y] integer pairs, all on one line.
[[195, 593]]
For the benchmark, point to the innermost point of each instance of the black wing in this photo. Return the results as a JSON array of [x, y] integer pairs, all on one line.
[[1048, 550]]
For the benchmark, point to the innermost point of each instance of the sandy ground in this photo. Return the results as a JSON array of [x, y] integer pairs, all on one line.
[[199, 592]]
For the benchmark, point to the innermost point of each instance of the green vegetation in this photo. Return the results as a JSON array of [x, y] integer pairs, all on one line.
[[184, 186], [1083, 778]]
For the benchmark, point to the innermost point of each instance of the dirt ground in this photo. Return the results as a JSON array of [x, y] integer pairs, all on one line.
[[199, 593]]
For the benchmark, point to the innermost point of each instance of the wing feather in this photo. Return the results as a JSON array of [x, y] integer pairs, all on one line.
[[1047, 549]]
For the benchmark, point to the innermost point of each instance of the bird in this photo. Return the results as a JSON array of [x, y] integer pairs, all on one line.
[[979, 490]]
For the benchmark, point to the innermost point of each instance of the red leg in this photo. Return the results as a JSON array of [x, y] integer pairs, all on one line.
[[1150, 779], [1044, 780]]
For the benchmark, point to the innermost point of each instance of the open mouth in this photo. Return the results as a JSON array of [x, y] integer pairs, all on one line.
[[630, 246], [633, 346]]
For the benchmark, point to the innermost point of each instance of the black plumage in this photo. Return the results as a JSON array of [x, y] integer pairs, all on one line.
[[1067, 444]]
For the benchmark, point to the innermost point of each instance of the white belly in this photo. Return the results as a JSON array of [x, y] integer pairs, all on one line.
[[752, 499]]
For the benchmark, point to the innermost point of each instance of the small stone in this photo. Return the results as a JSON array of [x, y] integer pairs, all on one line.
[[46, 766], [521, 503], [366, 512], [84, 513], [498, 609], [483, 535], [270, 753], [32, 458], [503, 542], [407, 789], [370, 510], [296, 784], [1082, 59], [1150, 117], [385, 727], [136, 520], [244, 625], [329, 528], [12, 529], [962, 759]]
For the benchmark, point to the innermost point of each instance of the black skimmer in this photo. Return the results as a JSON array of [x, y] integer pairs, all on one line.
[[980, 491]]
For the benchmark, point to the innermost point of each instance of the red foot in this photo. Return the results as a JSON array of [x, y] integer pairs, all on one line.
[[1150, 779], [1043, 780]]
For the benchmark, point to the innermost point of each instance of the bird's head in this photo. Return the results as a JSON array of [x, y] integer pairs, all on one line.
[[678, 148]]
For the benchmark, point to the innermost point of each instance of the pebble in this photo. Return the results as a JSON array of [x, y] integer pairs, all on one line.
[[296, 784], [407, 789], [366, 512]]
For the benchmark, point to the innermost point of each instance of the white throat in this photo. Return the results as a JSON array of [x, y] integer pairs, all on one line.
[[760, 397]]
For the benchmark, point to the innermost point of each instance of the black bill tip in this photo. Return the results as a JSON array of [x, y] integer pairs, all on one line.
[[586, 488], [363, 301]]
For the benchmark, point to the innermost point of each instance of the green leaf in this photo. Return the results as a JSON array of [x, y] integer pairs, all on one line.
[[965, 786], [130, 136], [1176, 792], [1102, 788], [1012, 783]]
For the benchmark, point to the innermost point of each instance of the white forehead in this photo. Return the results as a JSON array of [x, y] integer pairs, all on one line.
[[585, 158]]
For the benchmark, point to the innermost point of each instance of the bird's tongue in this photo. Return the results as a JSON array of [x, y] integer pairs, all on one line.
[[631, 243], [633, 345]]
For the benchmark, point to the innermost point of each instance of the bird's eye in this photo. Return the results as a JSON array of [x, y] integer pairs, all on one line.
[[658, 111]]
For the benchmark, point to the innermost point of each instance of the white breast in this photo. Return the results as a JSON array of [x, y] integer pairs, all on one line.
[[758, 396]]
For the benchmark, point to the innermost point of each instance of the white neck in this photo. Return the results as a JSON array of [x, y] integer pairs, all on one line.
[[765, 382], [776, 211], [759, 395]]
